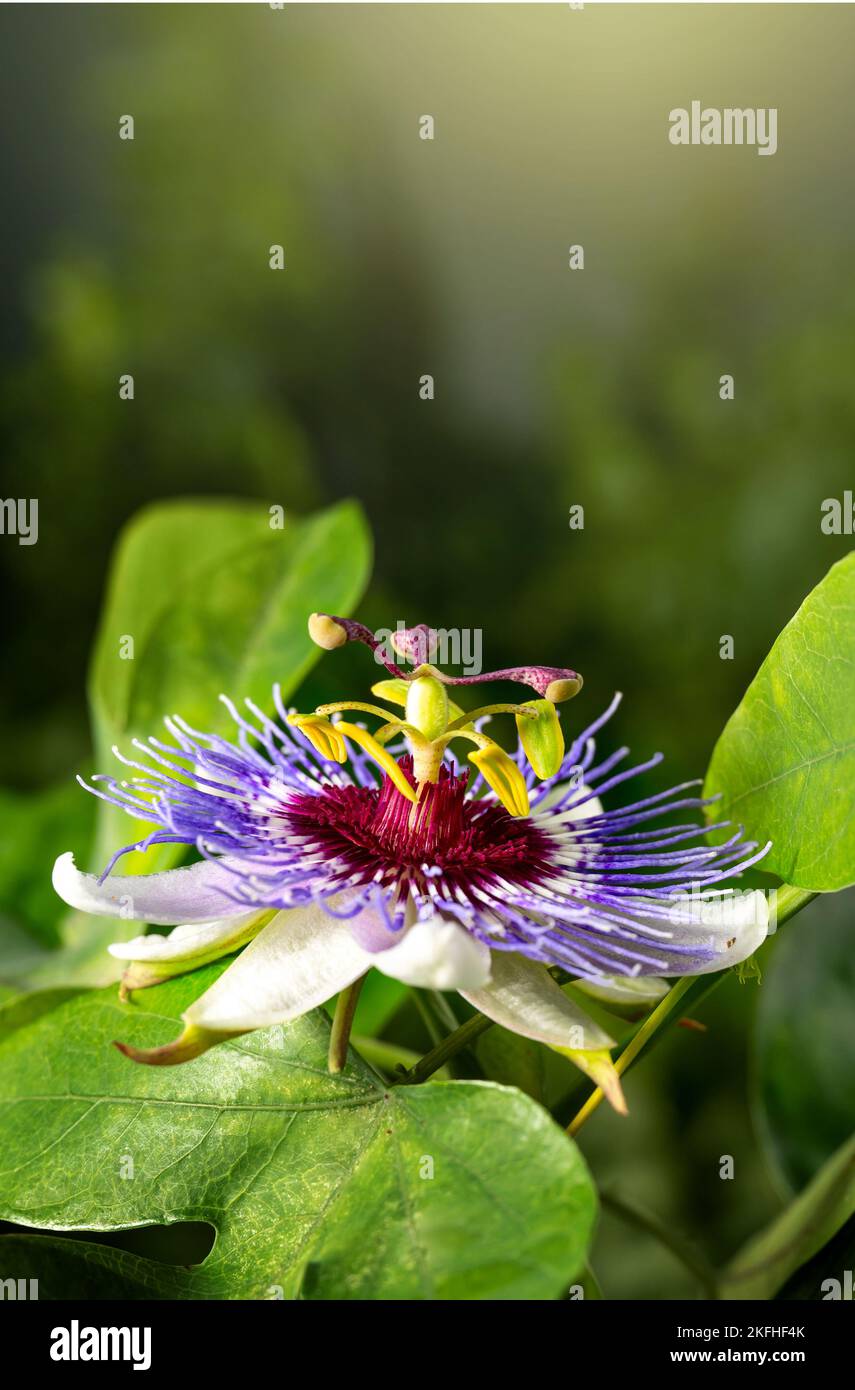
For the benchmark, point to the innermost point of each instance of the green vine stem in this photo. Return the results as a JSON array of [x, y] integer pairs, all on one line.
[[342, 1023], [791, 900], [391, 1058], [682, 1251], [448, 1048], [651, 1026]]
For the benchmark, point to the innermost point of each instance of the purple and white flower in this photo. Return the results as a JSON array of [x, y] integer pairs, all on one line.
[[327, 850]]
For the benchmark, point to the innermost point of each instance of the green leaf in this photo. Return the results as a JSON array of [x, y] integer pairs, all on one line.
[[318, 1186], [829, 1274], [805, 1043], [785, 763], [799, 1233], [590, 1285], [19, 1010], [80, 1269], [215, 601]]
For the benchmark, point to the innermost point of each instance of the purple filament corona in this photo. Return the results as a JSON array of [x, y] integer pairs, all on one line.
[[594, 891]]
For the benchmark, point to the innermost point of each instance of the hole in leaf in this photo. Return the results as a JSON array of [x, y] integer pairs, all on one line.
[[184, 1243]]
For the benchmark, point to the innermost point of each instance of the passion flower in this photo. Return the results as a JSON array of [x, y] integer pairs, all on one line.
[[327, 849]]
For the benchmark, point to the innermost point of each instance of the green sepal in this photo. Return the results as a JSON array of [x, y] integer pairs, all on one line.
[[188, 1045], [597, 1064]]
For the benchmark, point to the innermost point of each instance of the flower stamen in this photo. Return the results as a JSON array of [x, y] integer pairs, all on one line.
[[378, 755], [432, 719]]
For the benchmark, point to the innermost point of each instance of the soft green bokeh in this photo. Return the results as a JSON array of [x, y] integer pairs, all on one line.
[[554, 388], [804, 1057], [821, 1210]]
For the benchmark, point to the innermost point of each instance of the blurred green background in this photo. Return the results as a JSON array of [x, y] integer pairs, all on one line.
[[554, 388]]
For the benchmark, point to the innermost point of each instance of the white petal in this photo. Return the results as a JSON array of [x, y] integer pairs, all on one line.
[[592, 807], [731, 926], [437, 954], [734, 926], [372, 932], [523, 996], [301, 959], [186, 942], [194, 894]]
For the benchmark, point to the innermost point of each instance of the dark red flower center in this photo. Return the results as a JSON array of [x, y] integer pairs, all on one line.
[[468, 840]]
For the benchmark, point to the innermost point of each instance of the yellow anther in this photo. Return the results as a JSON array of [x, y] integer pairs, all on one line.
[[323, 736], [540, 733], [378, 755], [393, 690], [502, 774]]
